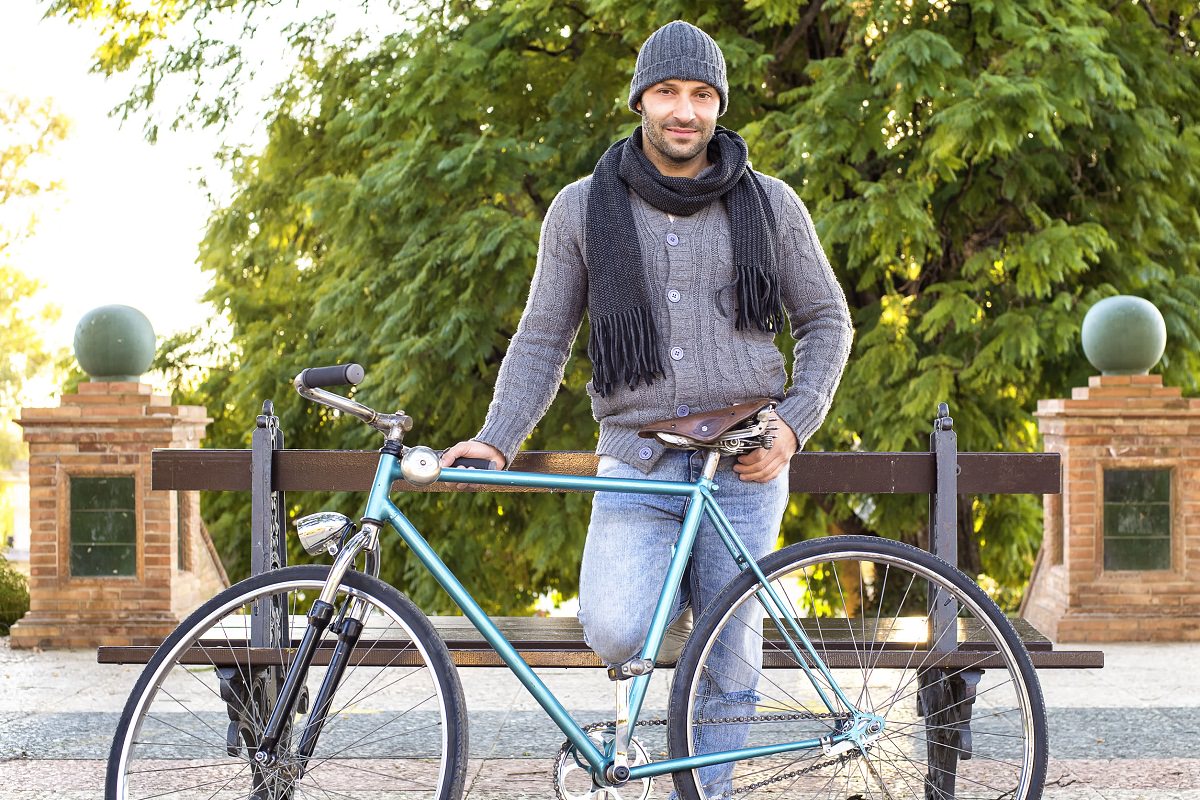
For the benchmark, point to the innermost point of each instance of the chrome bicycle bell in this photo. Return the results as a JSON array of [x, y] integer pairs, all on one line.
[[322, 531], [420, 465]]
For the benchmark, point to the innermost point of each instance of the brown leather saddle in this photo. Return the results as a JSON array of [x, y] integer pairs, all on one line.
[[733, 429]]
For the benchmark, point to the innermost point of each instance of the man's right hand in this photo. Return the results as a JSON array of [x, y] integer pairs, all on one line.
[[472, 449]]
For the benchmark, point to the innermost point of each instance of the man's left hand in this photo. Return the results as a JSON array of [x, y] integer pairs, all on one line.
[[762, 466]]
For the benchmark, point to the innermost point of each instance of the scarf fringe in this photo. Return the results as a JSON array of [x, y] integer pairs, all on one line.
[[623, 348], [759, 303]]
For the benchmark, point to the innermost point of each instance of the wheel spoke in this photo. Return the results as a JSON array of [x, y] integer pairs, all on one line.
[[877, 629], [389, 731]]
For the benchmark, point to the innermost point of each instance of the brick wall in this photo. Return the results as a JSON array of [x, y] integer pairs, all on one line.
[[1118, 422], [110, 429]]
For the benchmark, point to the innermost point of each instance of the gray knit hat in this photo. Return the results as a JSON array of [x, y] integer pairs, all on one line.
[[680, 51]]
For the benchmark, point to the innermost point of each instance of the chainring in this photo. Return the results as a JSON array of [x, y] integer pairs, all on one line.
[[573, 775], [568, 762]]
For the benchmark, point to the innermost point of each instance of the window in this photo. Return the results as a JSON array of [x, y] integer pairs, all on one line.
[[103, 527], [1137, 519]]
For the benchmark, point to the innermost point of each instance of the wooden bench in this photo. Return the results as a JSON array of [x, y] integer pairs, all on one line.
[[267, 471]]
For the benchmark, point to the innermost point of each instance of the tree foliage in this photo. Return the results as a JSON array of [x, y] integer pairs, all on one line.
[[27, 132], [980, 174]]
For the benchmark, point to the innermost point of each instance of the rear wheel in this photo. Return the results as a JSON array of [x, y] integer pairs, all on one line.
[[396, 725], [968, 724]]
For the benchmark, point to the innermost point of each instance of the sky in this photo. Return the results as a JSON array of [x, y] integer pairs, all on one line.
[[125, 226]]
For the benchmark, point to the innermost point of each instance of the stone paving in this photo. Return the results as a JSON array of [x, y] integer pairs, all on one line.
[[1122, 733]]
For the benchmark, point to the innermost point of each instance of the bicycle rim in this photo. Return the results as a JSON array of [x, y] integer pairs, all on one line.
[[395, 727], [968, 725]]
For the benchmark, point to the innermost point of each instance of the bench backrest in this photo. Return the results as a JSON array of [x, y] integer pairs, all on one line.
[[814, 473], [268, 470]]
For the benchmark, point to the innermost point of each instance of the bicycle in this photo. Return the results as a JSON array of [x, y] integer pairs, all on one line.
[[848, 666]]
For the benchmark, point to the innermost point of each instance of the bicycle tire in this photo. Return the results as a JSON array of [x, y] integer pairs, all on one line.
[[397, 724], [867, 638]]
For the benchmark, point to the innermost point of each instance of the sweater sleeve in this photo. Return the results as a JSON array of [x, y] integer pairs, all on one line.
[[532, 369], [820, 320]]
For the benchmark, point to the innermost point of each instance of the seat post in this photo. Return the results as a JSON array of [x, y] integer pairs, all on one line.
[[711, 457]]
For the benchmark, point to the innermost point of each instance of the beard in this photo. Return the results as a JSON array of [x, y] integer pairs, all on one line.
[[677, 153]]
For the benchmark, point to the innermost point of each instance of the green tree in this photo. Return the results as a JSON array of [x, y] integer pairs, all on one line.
[[980, 173], [27, 132]]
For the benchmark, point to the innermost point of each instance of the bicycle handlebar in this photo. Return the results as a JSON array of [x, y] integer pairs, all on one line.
[[338, 375], [476, 463], [308, 384]]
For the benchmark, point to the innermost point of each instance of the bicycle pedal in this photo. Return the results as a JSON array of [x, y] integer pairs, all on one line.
[[631, 669]]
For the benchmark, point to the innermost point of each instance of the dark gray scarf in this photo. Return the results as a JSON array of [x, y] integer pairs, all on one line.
[[624, 341]]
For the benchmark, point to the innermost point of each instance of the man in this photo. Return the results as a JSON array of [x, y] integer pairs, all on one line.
[[686, 262]]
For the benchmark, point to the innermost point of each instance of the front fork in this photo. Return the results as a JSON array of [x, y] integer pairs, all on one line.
[[349, 627]]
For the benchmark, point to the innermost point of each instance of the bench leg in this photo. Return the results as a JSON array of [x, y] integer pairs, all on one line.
[[945, 699], [250, 694]]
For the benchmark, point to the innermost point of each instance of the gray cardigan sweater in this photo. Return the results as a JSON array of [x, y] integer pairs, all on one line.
[[692, 288]]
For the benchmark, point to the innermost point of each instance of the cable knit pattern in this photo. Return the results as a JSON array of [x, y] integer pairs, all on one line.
[[692, 293]]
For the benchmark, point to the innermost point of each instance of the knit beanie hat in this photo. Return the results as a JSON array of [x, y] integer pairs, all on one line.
[[679, 51]]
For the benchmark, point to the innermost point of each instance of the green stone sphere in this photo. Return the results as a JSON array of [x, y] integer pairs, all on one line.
[[1124, 335], [114, 343]]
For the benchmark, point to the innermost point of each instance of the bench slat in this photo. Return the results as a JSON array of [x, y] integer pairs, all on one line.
[[897, 659], [558, 642], [816, 473], [392, 656]]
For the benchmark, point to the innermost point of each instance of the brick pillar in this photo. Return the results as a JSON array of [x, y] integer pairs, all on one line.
[[108, 431], [1119, 422]]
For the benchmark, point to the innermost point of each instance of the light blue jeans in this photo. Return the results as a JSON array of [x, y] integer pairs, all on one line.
[[628, 549]]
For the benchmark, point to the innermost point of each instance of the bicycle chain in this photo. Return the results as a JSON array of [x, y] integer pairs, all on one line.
[[277, 621], [648, 723], [273, 433], [793, 774]]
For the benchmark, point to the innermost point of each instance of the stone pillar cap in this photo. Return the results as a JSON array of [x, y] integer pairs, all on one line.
[[114, 343]]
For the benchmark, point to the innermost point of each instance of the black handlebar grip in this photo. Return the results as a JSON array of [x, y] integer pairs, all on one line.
[[339, 375], [477, 463]]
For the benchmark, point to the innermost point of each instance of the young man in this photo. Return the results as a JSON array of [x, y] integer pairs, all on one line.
[[686, 261]]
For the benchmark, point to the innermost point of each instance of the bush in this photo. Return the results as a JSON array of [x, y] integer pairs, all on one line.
[[14, 596]]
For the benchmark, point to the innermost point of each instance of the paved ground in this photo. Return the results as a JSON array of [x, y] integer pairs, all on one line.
[[1127, 731]]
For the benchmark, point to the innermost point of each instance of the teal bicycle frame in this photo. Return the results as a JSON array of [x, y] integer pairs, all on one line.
[[701, 503]]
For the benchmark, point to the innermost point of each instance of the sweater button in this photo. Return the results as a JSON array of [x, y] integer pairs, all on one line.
[[673, 295], [677, 353], [672, 239], [645, 453], [682, 411]]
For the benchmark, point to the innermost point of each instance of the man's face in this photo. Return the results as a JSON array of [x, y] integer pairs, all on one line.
[[679, 118]]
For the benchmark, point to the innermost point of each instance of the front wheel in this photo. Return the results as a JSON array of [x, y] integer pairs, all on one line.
[[963, 718], [395, 726]]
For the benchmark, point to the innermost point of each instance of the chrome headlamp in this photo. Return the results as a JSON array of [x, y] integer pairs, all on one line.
[[322, 531]]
